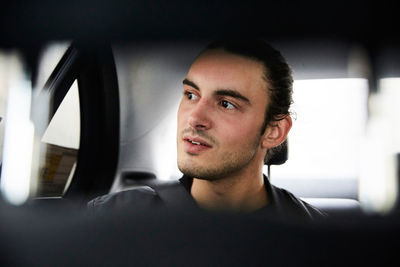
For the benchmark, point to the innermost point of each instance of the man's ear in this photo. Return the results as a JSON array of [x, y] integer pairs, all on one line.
[[276, 132]]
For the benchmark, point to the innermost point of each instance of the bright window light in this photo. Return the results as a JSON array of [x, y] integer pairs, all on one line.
[[64, 128], [18, 140], [324, 142], [378, 178], [390, 108]]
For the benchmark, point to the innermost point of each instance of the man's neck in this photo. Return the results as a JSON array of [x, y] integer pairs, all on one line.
[[237, 193]]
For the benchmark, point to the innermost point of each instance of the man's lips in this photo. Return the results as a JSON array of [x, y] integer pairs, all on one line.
[[195, 145], [196, 141]]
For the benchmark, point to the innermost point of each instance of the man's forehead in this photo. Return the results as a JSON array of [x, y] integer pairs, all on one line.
[[225, 69]]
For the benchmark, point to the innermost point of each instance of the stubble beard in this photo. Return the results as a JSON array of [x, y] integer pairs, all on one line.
[[228, 164]]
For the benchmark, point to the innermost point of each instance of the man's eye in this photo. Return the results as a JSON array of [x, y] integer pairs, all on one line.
[[227, 104], [191, 96]]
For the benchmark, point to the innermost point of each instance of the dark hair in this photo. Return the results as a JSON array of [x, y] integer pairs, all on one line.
[[278, 76]]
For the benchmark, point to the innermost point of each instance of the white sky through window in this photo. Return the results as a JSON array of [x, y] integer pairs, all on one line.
[[330, 117]]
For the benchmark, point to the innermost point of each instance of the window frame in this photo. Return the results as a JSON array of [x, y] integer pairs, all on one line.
[[94, 69]]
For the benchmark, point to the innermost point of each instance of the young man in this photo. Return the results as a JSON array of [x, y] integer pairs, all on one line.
[[234, 112]]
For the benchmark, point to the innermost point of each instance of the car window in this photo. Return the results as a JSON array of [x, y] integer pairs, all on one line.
[[42, 124], [59, 147]]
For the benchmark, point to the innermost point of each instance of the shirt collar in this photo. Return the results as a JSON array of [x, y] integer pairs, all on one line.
[[188, 181]]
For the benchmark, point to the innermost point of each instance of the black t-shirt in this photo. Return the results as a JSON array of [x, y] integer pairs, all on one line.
[[176, 195], [268, 210]]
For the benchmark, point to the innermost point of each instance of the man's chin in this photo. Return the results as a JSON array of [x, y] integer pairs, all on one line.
[[192, 170], [203, 173]]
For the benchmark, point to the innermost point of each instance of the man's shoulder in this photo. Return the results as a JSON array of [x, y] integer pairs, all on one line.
[[140, 197], [291, 205]]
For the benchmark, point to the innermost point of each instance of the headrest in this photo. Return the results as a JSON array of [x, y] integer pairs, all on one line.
[[277, 155]]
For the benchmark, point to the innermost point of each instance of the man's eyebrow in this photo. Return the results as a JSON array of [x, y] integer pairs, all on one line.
[[232, 93], [190, 83], [221, 92]]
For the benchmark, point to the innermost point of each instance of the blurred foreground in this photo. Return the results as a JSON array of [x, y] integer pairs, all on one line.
[[56, 235]]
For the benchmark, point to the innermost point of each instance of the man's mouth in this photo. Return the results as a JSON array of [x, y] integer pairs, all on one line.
[[195, 145], [197, 142]]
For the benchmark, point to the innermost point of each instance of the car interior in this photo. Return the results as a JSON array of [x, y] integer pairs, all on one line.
[[88, 106]]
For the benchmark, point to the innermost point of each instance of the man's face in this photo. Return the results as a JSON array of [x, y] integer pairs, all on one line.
[[220, 116]]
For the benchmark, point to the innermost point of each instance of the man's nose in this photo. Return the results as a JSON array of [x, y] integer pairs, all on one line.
[[199, 118]]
